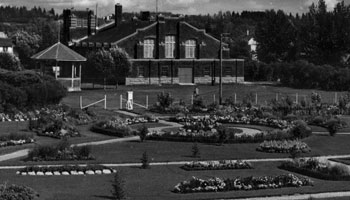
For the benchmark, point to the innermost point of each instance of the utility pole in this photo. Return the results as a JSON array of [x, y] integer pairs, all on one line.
[[220, 80]]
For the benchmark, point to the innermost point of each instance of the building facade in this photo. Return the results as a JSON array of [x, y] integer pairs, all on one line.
[[167, 50], [78, 24]]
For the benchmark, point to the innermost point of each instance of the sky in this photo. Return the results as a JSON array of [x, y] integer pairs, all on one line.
[[106, 7]]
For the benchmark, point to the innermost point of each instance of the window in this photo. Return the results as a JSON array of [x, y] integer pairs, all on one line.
[[190, 48], [227, 70], [206, 71], [164, 71], [6, 49], [169, 46], [141, 71], [148, 47]]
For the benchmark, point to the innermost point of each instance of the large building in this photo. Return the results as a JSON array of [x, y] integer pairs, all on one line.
[[166, 50], [78, 24]]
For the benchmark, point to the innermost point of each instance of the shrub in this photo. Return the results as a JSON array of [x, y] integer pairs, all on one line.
[[83, 152], [332, 126], [222, 134], [195, 151], [198, 103], [300, 130], [10, 62], [118, 187], [145, 161], [164, 100], [16, 192], [143, 131]]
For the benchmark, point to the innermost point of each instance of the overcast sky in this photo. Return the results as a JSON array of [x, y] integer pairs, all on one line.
[[176, 6]]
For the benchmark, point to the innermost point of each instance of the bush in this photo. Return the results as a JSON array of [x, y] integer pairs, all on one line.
[[164, 100], [195, 151], [300, 130], [145, 161], [333, 126], [16, 192], [118, 187], [143, 131], [10, 62]]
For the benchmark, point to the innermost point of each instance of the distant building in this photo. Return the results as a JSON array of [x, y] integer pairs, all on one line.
[[165, 50], [253, 44], [6, 44], [78, 24]]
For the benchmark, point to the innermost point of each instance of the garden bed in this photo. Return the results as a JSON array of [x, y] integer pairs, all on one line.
[[285, 146], [247, 183], [65, 170], [216, 165], [15, 139], [313, 168]]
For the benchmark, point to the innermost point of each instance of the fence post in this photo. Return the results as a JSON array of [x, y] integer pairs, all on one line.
[[256, 98], [276, 96], [105, 102], [81, 102], [146, 101], [121, 102], [191, 99], [335, 98], [235, 98], [296, 98], [214, 98]]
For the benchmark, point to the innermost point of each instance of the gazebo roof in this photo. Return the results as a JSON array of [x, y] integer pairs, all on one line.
[[59, 52]]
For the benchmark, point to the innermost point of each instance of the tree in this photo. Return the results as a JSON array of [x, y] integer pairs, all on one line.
[[118, 187], [10, 62], [143, 131], [122, 64], [26, 44], [195, 150], [102, 61], [145, 160], [276, 37]]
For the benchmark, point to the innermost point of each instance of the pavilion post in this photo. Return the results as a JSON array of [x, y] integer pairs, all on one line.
[[80, 76], [72, 76]]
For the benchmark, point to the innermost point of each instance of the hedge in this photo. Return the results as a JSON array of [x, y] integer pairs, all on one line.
[[107, 131]]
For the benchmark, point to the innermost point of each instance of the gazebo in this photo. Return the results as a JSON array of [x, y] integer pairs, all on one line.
[[68, 65]]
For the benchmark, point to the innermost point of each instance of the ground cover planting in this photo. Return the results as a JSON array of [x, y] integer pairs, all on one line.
[[14, 139], [285, 146], [216, 165], [246, 183], [314, 168]]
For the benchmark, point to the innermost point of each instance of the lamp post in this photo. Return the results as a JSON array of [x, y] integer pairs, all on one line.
[[222, 35]]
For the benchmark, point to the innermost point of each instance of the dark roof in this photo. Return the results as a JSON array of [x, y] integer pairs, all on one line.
[[59, 52], [80, 13], [5, 42], [112, 33]]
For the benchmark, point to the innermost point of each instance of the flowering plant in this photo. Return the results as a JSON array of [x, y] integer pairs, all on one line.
[[216, 165], [285, 146]]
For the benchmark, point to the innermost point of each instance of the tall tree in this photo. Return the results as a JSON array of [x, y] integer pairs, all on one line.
[[276, 37]]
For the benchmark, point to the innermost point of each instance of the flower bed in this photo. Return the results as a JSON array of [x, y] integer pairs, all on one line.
[[314, 168], [285, 146], [65, 170], [248, 183], [115, 127], [14, 139], [63, 151], [216, 165], [141, 119]]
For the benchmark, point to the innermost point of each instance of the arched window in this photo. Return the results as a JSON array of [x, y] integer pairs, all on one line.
[[148, 47], [169, 46], [190, 48]]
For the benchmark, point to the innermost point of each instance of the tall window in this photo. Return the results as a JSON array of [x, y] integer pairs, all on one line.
[[148, 47], [169, 46], [190, 48]]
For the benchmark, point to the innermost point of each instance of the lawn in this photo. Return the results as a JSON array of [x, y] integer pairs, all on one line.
[[207, 92], [156, 183], [161, 151]]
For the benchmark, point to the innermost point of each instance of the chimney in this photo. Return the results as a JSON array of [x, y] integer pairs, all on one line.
[[118, 14]]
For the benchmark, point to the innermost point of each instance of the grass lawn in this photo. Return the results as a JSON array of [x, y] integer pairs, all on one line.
[[161, 151], [156, 183], [265, 94]]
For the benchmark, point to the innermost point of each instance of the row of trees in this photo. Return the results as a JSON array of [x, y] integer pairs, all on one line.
[[23, 15], [318, 36]]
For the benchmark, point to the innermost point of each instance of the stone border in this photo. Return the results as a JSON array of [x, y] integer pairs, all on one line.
[[65, 173]]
